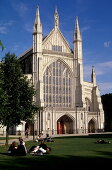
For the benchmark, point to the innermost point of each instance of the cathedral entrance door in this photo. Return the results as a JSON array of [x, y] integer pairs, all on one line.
[[91, 126], [64, 125]]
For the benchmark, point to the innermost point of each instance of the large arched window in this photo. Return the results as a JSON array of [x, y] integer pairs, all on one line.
[[57, 85]]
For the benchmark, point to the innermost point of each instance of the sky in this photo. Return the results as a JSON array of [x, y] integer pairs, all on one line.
[[95, 21]]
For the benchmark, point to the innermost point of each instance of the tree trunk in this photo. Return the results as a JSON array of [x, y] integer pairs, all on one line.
[[33, 132], [7, 135]]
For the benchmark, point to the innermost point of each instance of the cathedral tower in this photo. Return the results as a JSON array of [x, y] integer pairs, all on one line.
[[78, 66], [37, 56]]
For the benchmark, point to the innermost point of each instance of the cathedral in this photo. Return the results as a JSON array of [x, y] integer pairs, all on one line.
[[69, 105]]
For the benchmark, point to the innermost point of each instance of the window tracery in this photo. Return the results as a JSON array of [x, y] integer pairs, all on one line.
[[57, 85]]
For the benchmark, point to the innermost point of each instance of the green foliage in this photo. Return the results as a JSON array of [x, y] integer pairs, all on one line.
[[16, 93], [2, 46], [107, 106]]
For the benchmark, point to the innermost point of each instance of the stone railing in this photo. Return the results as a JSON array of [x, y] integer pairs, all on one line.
[[92, 113]]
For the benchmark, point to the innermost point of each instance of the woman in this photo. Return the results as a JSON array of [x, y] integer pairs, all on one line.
[[13, 149], [21, 149]]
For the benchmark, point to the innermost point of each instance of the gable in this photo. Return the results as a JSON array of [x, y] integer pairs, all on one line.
[[55, 41]]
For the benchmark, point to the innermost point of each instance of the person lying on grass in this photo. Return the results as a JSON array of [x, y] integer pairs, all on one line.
[[102, 141], [40, 149]]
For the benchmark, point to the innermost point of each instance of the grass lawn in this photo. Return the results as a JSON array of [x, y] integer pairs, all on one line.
[[78, 153], [4, 138]]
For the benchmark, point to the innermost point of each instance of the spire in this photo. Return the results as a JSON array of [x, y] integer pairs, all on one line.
[[37, 19], [77, 33], [93, 70], [77, 24], [37, 23], [93, 76], [56, 19]]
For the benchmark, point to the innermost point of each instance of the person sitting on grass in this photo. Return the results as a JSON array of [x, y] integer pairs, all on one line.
[[21, 149], [48, 139], [21, 140], [39, 138], [12, 149]]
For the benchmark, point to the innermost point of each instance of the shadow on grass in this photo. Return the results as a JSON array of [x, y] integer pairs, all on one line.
[[1, 153], [108, 154], [89, 136], [55, 162]]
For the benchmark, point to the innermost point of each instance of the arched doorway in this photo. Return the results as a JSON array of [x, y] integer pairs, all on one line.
[[91, 126], [64, 125], [30, 127]]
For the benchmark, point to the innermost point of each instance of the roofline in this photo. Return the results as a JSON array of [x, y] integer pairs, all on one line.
[[25, 53]]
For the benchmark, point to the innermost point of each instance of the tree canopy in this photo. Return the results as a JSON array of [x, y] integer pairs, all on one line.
[[16, 93], [107, 106]]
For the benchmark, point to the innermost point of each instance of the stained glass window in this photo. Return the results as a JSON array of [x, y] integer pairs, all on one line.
[[57, 85]]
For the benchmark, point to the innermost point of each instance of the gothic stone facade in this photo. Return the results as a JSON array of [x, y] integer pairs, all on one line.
[[70, 104]]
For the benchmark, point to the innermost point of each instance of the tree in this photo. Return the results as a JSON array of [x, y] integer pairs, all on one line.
[[107, 106], [2, 46], [16, 94]]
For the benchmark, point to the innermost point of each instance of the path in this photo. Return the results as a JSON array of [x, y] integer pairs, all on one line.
[[2, 142]]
